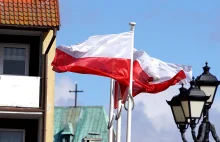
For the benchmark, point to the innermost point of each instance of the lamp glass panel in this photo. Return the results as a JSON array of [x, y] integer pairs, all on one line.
[[209, 91], [196, 108], [185, 107], [178, 114]]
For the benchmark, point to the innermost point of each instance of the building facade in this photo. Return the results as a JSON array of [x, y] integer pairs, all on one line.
[[27, 46], [80, 124]]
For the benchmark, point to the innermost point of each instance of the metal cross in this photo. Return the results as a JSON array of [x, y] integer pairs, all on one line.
[[76, 91]]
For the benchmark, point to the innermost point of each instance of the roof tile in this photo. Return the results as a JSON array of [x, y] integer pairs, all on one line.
[[40, 13]]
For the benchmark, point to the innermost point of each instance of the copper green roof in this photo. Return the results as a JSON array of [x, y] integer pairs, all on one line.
[[81, 122]]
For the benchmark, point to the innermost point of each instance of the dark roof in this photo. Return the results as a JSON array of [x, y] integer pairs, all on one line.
[[30, 13], [82, 122]]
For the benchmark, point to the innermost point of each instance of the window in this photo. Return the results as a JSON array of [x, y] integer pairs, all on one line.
[[9, 135], [14, 59], [66, 138]]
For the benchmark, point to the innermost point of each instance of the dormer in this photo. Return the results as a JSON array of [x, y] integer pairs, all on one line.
[[67, 135]]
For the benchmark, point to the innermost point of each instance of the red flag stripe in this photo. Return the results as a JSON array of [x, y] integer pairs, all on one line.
[[116, 68], [143, 83]]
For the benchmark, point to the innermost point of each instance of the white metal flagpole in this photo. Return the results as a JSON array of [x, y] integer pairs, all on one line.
[[129, 113], [118, 118], [111, 109]]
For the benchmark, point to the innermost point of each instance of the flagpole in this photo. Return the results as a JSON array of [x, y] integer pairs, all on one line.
[[111, 109], [129, 113], [119, 109]]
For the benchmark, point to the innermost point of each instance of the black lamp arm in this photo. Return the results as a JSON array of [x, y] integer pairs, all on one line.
[[182, 131], [213, 131], [201, 132]]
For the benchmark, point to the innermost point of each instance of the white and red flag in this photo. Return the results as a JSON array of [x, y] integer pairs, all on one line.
[[102, 55], [151, 75]]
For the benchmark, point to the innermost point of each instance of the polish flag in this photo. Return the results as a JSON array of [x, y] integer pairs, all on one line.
[[151, 75], [102, 55]]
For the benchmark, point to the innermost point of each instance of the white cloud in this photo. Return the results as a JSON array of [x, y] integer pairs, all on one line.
[[152, 118], [62, 95], [155, 107]]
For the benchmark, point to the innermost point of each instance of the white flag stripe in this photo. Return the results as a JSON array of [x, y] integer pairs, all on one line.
[[160, 70], [102, 46]]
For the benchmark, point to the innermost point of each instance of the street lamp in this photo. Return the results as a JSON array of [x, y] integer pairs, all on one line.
[[178, 113], [208, 83], [194, 102], [187, 108]]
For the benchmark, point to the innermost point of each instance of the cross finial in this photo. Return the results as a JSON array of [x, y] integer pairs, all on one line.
[[206, 68], [75, 91], [192, 82]]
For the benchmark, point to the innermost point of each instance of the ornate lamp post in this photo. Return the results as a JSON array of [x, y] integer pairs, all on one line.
[[195, 101], [209, 84], [178, 113]]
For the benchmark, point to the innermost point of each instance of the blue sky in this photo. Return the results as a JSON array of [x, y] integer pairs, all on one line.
[[184, 32]]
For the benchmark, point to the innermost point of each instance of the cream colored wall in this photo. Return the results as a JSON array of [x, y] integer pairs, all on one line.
[[50, 87]]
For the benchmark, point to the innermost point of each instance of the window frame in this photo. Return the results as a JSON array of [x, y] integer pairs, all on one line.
[[14, 130], [15, 45]]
